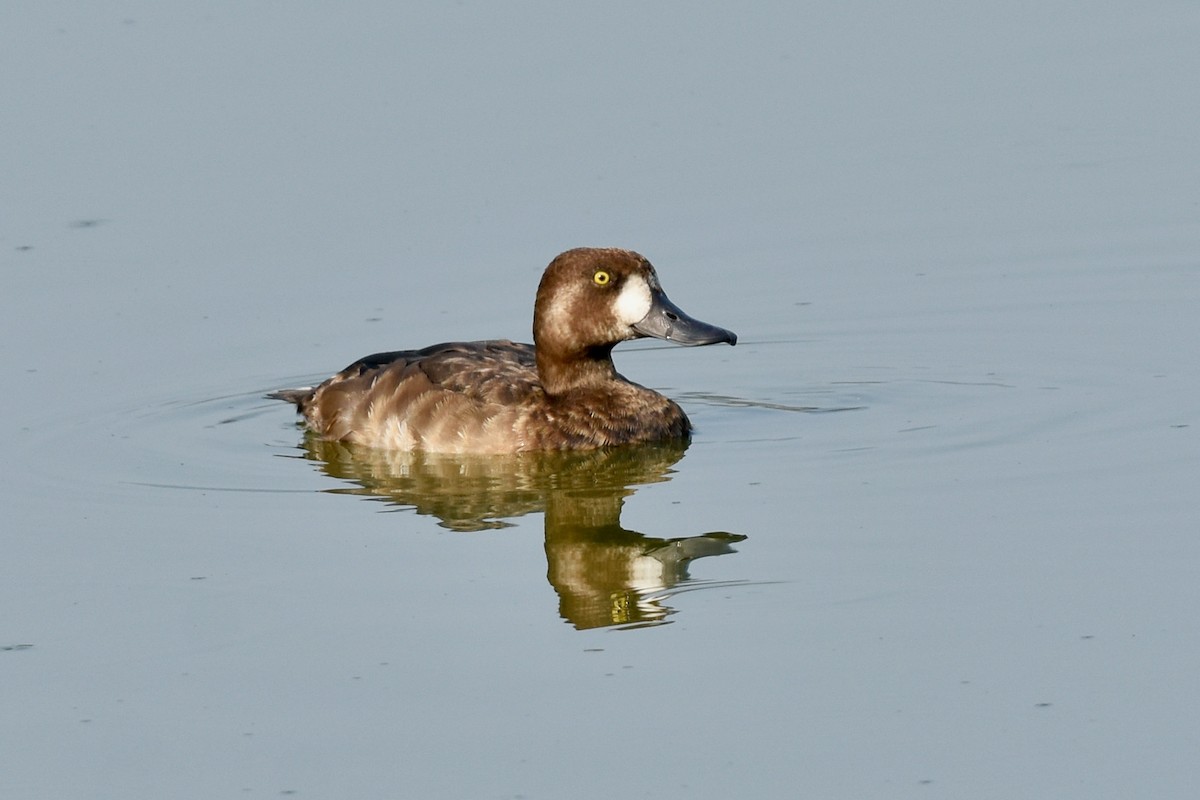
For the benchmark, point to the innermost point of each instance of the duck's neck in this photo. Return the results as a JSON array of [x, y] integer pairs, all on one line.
[[562, 372]]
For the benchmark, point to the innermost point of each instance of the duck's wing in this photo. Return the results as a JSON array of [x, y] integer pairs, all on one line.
[[497, 371], [446, 385]]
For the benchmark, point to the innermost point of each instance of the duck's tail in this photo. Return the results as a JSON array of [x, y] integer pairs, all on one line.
[[298, 397]]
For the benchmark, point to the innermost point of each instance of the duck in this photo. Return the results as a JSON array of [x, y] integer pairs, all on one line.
[[562, 392]]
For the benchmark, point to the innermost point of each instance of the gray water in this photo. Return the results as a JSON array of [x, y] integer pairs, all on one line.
[[936, 533]]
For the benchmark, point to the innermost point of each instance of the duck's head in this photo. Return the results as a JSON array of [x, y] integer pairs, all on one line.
[[590, 299]]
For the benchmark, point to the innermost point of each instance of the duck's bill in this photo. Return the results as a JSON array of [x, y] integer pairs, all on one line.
[[667, 321]]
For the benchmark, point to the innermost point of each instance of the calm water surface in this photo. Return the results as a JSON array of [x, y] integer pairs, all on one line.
[[935, 535]]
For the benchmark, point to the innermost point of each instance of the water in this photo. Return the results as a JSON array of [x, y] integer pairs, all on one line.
[[935, 535]]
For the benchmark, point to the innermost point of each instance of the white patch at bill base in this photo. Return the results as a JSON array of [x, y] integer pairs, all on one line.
[[633, 303]]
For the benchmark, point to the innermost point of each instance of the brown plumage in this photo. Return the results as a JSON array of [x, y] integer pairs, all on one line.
[[560, 393]]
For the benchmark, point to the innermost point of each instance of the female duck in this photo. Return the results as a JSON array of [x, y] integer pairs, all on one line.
[[560, 393]]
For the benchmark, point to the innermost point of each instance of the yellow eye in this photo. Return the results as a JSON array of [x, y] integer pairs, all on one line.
[[601, 278]]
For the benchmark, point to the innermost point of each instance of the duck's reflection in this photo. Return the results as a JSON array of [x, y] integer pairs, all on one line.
[[603, 573]]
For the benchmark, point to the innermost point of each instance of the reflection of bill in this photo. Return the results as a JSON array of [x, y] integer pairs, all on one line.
[[603, 573]]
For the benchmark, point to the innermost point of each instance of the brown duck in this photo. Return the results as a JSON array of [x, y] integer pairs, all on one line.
[[560, 393]]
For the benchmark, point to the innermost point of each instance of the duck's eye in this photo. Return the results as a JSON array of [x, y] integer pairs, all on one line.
[[601, 278]]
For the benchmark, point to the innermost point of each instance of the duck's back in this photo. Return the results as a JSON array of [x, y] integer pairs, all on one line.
[[452, 397]]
